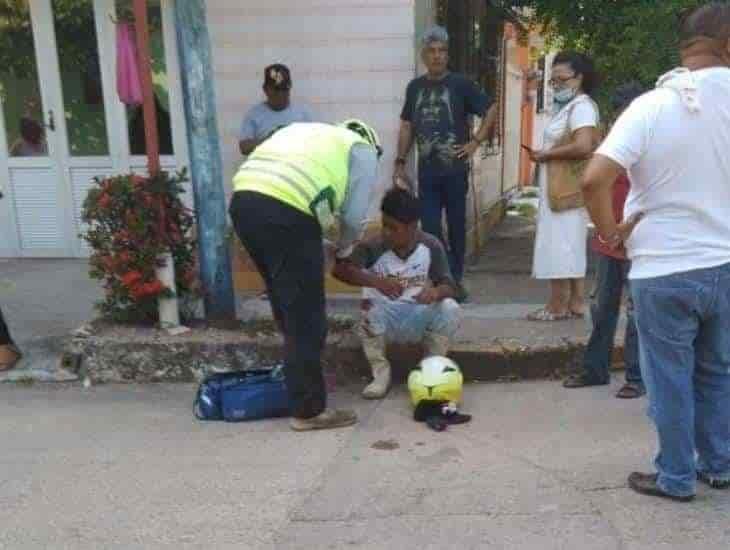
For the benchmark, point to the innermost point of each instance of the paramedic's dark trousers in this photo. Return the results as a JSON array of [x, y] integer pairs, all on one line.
[[286, 246]]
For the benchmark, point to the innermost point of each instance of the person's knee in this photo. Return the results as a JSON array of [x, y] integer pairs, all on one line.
[[447, 318]]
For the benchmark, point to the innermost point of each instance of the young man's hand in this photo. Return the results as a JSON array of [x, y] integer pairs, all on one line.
[[429, 295], [390, 287]]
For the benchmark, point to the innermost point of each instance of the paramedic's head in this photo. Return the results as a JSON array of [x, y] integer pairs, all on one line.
[[705, 35], [401, 212], [277, 86], [435, 51]]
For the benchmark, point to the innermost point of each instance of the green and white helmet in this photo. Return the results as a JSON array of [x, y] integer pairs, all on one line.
[[365, 131]]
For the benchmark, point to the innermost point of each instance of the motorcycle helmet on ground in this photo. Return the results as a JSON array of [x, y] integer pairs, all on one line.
[[365, 131], [436, 389]]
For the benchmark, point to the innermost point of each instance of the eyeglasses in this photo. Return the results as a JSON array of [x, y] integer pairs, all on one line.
[[559, 82]]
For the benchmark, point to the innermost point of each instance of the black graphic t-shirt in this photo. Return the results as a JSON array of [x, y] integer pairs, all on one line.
[[439, 111]]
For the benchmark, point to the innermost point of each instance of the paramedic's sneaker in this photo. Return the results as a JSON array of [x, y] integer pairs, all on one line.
[[329, 419]]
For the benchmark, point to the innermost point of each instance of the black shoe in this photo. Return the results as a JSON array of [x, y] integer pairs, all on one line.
[[462, 295], [646, 484], [714, 483], [582, 381]]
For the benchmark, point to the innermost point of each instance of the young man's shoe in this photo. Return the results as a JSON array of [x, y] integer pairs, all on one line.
[[646, 484], [713, 482], [328, 420]]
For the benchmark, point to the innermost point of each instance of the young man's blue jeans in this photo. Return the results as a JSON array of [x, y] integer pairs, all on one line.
[[684, 341], [605, 312], [446, 192]]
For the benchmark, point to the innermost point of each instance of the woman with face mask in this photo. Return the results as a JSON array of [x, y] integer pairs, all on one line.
[[560, 243]]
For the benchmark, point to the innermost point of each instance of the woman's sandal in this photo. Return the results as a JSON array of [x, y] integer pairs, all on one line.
[[630, 391], [9, 357], [545, 316]]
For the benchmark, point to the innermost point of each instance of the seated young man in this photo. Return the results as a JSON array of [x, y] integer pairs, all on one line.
[[408, 288]]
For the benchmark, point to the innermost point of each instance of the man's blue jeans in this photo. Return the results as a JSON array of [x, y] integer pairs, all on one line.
[[684, 341], [446, 192], [605, 312]]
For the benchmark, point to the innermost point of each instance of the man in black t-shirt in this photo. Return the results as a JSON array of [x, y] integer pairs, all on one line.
[[408, 289], [436, 116]]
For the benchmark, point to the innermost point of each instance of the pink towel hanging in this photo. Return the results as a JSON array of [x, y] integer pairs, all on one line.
[[129, 85]]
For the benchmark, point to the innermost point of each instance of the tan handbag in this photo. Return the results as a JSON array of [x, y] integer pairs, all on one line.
[[564, 176]]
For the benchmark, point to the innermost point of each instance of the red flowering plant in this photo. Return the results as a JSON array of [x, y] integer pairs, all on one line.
[[131, 221]]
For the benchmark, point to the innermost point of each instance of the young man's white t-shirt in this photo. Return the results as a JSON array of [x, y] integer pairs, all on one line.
[[679, 165]]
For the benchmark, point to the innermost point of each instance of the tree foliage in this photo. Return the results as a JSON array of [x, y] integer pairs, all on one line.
[[628, 39]]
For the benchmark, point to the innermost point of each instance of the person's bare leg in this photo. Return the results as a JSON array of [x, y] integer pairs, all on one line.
[[577, 296], [559, 295]]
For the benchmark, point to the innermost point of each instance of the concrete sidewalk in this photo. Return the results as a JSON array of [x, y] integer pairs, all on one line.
[[45, 300], [540, 467]]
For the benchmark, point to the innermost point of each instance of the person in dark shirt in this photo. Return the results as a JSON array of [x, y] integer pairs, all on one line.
[[436, 117], [408, 289], [613, 272]]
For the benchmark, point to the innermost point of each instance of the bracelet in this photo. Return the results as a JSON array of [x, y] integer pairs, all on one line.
[[613, 239]]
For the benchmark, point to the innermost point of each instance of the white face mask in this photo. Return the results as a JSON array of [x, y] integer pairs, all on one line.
[[566, 95]]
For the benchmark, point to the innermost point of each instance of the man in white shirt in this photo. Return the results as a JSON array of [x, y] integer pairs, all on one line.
[[674, 142]]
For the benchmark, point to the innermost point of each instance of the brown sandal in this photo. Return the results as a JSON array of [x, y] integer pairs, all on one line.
[[9, 357]]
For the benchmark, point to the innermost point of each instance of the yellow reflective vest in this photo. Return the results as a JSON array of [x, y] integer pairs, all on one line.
[[305, 165]]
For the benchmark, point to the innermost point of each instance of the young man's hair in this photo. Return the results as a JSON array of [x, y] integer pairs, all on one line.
[[401, 205], [711, 20]]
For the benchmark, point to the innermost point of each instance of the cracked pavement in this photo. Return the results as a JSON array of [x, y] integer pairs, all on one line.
[[540, 467]]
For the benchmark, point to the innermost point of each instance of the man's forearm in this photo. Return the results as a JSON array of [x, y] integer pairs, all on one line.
[[489, 123], [405, 139], [598, 181]]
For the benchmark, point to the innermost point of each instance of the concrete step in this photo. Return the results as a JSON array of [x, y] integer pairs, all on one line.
[[494, 343]]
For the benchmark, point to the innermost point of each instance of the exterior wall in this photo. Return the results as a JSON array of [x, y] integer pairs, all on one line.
[[349, 58]]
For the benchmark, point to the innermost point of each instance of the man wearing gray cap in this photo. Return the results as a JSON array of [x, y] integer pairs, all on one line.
[[435, 115]]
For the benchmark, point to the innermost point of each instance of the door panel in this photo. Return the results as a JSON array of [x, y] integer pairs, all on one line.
[[39, 220]]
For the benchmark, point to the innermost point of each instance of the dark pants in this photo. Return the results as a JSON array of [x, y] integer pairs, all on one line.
[[286, 246], [605, 311], [439, 193], [5, 339]]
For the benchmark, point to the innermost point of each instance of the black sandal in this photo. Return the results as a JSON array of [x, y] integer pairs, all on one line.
[[581, 381], [630, 391]]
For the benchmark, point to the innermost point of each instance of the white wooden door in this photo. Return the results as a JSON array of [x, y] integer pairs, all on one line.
[[66, 85]]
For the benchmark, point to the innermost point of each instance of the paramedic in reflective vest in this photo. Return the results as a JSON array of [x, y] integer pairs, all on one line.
[[286, 195]]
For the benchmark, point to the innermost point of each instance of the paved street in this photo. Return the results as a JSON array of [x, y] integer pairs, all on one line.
[[539, 468]]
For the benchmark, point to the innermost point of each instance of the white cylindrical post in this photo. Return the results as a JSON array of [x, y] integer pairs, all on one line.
[[168, 307]]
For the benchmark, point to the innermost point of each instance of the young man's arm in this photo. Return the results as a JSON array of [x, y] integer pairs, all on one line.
[[442, 284], [351, 273]]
